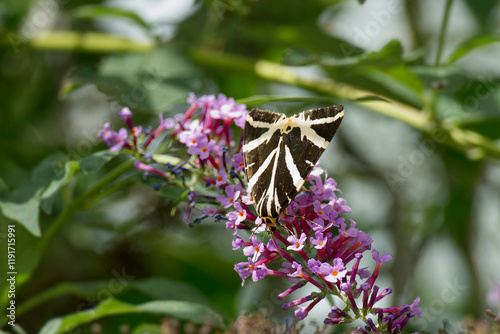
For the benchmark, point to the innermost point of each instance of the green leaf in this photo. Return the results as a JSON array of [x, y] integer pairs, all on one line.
[[389, 55], [106, 308], [19, 330], [189, 311], [488, 127], [96, 160], [482, 11], [256, 100], [299, 57], [451, 77], [479, 96], [316, 101], [15, 329], [22, 205], [70, 170], [470, 45], [25, 213], [96, 11], [155, 81], [399, 81], [154, 288], [47, 178], [303, 36], [385, 72]]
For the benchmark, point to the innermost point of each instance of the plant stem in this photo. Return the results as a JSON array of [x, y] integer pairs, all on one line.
[[442, 32], [77, 204], [469, 142], [439, 54]]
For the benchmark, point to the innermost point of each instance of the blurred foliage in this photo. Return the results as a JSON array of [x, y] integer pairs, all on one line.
[[82, 218]]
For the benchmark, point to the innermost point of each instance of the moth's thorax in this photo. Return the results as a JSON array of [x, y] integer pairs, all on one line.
[[289, 124], [270, 223]]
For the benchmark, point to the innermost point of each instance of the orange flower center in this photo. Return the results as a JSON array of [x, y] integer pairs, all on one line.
[[193, 141], [204, 149], [219, 178], [241, 213], [335, 273], [231, 200]]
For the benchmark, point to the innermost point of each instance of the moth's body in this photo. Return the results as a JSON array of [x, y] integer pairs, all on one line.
[[281, 151]]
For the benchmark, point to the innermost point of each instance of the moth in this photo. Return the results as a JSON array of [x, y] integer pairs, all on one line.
[[280, 153]]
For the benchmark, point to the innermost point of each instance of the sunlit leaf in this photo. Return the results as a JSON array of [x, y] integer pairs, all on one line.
[[95, 11], [471, 45], [154, 288], [192, 312], [70, 170], [47, 178], [22, 205], [26, 213]]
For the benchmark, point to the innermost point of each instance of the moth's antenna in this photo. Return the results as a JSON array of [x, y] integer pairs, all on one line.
[[224, 153], [256, 228], [308, 220]]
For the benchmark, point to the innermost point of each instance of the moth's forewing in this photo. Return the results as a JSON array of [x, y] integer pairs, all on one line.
[[280, 153]]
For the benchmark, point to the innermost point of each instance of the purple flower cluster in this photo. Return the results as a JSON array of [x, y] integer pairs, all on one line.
[[316, 246], [313, 243]]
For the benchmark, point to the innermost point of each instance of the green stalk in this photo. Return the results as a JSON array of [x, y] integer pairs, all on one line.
[[77, 204], [81, 203], [441, 40], [442, 31], [473, 144]]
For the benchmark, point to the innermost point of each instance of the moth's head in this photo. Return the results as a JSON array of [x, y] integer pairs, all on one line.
[[270, 223]]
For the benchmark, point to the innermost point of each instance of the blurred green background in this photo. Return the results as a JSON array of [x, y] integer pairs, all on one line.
[[416, 158]]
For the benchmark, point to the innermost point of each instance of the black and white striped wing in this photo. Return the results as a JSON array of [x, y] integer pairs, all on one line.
[[281, 151]]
